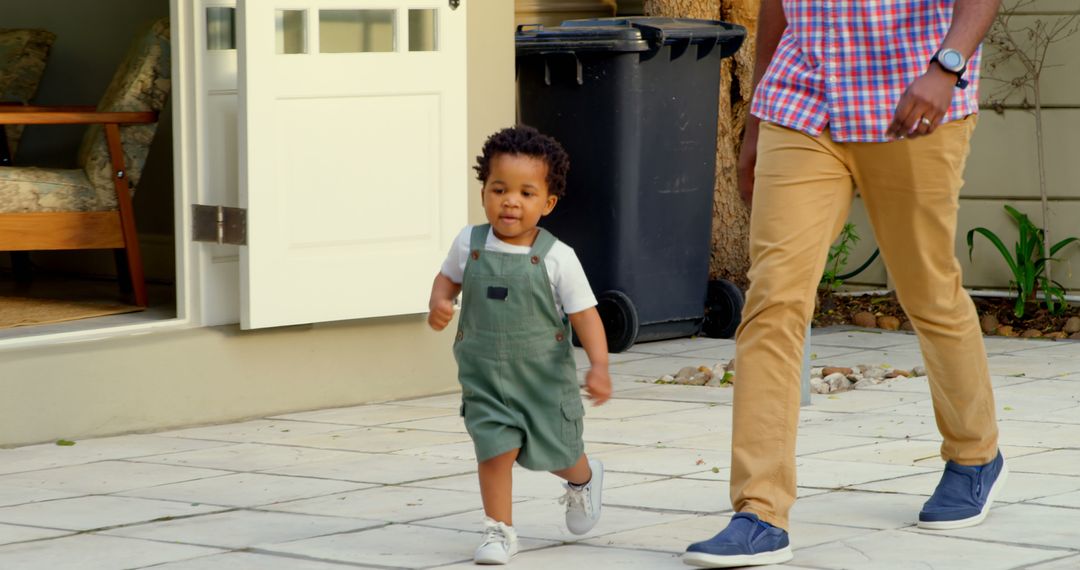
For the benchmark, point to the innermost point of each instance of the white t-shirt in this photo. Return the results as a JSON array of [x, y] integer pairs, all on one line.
[[567, 277]]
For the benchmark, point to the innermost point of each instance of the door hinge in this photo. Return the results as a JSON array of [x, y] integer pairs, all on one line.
[[219, 224]]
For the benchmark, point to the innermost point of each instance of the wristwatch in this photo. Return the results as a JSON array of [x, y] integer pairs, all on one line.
[[952, 61]]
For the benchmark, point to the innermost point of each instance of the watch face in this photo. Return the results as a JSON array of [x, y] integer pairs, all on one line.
[[951, 59]]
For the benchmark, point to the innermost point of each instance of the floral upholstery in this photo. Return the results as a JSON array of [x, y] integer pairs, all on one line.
[[22, 62], [141, 83]]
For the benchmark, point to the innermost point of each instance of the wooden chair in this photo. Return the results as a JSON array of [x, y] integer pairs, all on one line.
[[90, 207]]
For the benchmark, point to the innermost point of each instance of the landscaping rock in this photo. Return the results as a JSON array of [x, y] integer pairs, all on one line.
[[1005, 330], [1058, 335], [898, 373], [888, 323], [730, 367], [865, 319], [818, 386], [1072, 326], [907, 326], [919, 371], [1031, 333], [837, 382], [864, 383], [1074, 336], [830, 370], [989, 324]]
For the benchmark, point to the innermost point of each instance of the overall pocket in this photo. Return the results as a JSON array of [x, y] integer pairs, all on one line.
[[573, 414]]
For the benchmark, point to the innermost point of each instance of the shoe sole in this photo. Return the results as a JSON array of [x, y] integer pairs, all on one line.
[[703, 560], [598, 480], [999, 484]]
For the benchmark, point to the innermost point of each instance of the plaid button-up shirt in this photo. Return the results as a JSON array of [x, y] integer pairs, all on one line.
[[843, 64]]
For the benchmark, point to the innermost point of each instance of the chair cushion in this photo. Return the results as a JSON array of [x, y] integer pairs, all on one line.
[[22, 62], [141, 83], [48, 190]]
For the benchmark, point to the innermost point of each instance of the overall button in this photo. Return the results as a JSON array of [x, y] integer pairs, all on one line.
[[535, 260], [460, 335], [475, 254], [559, 336]]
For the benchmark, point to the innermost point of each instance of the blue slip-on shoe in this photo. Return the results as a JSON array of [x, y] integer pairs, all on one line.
[[964, 495], [747, 541]]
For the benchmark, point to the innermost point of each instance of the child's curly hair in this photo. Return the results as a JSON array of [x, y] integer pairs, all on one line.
[[527, 141]]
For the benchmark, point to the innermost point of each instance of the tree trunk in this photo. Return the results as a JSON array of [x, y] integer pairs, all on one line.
[[731, 218]]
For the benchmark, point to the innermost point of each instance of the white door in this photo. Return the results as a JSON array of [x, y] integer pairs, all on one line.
[[353, 155]]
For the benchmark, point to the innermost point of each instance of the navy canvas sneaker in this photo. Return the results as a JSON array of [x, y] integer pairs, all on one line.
[[964, 495], [747, 541]]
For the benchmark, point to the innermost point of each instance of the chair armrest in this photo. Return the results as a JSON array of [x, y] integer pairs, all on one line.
[[8, 116], [15, 106]]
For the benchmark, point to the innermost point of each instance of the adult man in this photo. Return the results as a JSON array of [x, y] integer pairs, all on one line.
[[878, 95]]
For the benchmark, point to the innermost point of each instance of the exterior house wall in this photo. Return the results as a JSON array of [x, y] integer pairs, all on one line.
[[176, 377]]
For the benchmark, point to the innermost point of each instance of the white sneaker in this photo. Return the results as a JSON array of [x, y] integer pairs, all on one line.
[[500, 543], [583, 506]]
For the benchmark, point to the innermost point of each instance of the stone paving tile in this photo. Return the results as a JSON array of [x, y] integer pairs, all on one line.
[[376, 439], [371, 415], [878, 425], [861, 339], [246, 457], [399, 546], [1033, 365], [546, 519], [388, 504], [666, 460], [10, 495], [1019, 486], [245, 490], [921, 453], [672, 393], [854, 401], [1025, 525], [88, 513], [531, 484], [248, 561], [1063, 563], [859, 509], [826, 474], [255, 431], [676, 536], [49, 455], [10, 533], [451, 401], [618, 409], [679, 346], [579, 556], [242, 529], [899, 550], [673, 495], [385, 469], [107, 477], [1057, 462], [657, 366], [1070, 500], [82, 552]]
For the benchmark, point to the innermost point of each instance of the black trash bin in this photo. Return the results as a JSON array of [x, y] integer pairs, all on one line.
[[634, 102]]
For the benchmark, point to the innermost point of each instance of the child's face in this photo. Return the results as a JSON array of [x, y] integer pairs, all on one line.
[[516, 197]]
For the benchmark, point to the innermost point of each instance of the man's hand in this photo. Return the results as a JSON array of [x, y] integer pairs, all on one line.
[[748, 160], [442, 311], [923, 105], [598, 384]]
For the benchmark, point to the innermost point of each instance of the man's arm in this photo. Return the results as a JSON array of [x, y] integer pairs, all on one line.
[[930, 95], [771, 25]]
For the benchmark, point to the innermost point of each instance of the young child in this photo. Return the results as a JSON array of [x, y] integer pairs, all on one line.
[[520, 395]]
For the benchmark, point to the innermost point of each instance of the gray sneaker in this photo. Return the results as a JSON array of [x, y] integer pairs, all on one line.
[[583, 505], [500, 543]]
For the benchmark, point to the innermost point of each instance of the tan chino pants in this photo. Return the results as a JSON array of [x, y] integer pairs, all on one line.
[[803, 191]]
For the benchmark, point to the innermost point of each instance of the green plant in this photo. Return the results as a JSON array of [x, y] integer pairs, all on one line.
[[1027, 263], [838, 257]]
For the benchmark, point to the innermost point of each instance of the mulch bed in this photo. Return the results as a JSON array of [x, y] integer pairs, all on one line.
[[842, 309]]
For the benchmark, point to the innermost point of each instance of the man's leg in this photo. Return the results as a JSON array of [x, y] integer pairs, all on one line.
[[802, 196], [911, 189]]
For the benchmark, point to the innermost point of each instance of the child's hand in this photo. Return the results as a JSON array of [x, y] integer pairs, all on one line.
[[442, 311], [598, 384]]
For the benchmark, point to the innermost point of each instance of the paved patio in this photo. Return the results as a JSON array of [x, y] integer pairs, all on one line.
[[392, 485]]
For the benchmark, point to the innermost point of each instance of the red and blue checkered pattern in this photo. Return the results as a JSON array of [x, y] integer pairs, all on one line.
[[843, 64]]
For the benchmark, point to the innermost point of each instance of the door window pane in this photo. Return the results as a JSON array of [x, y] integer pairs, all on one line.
[[423, 30], [220, 28], [291, 31], [352, 31]]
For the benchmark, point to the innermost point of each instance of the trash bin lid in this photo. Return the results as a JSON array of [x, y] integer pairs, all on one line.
[[637, 34], [580, 38]]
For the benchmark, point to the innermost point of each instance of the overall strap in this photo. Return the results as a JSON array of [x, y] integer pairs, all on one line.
[[479, 237], [543, 243]]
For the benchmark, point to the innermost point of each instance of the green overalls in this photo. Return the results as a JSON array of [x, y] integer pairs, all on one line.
[[517, 372]]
